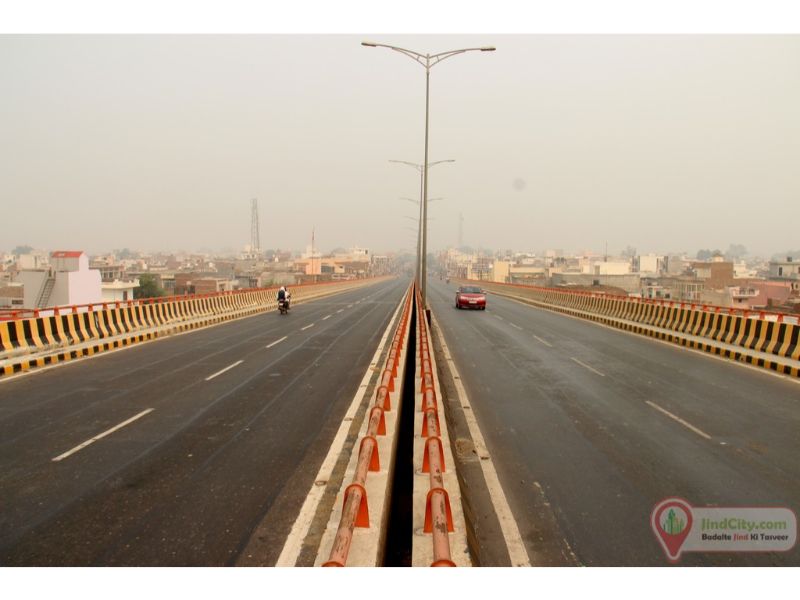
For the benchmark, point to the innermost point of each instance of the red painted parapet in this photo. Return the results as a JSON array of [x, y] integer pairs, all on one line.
[[355, 512]]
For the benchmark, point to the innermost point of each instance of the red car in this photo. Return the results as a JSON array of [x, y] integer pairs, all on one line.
[[470, 296]]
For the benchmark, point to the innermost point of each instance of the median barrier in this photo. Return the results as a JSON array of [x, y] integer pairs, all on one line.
[[357, 534], [438, 521]]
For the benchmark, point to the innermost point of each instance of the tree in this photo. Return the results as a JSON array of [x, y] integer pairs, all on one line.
[[707, 254], [148, 287], [735, 252], [703, 254]]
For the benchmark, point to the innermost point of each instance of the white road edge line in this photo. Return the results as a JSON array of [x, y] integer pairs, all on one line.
[[583, 364], [508, 525], [306, 327], [513, 325], [294, 541], [326, 317], [101, 436], [545, 342], [276, 342], [228, 368], [699, 432]]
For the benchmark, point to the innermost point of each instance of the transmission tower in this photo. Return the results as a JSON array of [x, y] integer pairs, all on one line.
[[255, 241]]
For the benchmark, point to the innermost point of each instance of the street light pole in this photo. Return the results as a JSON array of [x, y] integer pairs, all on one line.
[[422, 192], [419, 222], [428, 61]]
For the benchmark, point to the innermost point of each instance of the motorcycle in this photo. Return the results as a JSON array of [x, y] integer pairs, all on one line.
[[283, 306]]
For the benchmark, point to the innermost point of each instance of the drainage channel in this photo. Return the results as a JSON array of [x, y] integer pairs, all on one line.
[[400, 533]]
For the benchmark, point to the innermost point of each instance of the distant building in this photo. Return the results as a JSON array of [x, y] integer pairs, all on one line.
[[786, 270], [731, 296], [68, 281], [650, 264], [31, 262], [118, 291], [12, 295], [501, 271], [716, 274]]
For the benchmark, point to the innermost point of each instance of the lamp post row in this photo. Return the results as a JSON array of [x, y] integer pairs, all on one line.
[[428, 61]]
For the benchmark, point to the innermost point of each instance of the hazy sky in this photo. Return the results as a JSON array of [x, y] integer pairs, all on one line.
[[159, 142]]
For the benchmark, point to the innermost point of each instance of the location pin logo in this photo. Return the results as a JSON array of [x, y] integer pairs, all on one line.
[[671, 520]]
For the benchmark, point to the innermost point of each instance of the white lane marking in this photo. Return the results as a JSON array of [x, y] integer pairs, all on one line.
[[229, 367], [699, 432], [583, 364], [517, 326], [294, 542], [349, 306], [327, 317], [101, 436], [508, 525], [340, 310], [358, 301], [647, 338], [276, 342], [545, 342], [499, 317], [306, 327]]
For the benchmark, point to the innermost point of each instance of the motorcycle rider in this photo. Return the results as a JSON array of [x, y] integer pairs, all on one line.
[[283, 294]]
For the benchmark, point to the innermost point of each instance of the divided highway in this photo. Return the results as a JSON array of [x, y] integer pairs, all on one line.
[[173, 452], [590, 427]]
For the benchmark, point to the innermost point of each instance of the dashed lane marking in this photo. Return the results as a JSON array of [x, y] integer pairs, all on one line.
[[306, 327], [79, 447], [276, 342], [228, 368], [686, 424], [584, 365]]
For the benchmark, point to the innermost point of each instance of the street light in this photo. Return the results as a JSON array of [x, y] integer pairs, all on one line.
[[428, 61], [422, 190]]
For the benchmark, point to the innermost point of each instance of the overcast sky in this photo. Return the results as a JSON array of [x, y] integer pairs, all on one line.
[[665, 143]]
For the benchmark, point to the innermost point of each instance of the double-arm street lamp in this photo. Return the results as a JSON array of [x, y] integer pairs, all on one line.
[[420, 256], [428, 61], [419, 230]]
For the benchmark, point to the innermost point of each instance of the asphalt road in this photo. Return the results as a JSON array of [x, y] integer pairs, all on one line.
[[237, 431], [582, 424]]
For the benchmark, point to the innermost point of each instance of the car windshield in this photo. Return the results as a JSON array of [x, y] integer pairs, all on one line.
[[470, 290]]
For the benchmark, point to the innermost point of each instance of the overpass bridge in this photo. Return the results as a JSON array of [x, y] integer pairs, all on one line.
[[237, 436]]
